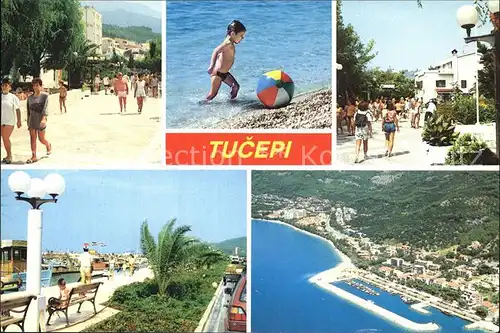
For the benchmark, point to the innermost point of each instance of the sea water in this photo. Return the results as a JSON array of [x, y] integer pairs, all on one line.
[[294, 36], [283, 300]]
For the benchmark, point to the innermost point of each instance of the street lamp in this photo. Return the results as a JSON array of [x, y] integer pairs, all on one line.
[[467, 18], [33, 191]]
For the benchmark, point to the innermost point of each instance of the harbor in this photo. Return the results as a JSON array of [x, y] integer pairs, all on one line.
[[56, 265], [325, 281]]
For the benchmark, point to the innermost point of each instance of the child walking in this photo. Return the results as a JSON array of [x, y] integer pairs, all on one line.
[[140, 92], [223, 59], [63, 92]]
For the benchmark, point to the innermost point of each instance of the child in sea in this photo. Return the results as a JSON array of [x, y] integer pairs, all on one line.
[[223, 59]]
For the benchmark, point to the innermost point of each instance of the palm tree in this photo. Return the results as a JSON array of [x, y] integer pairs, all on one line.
[[173, 251]]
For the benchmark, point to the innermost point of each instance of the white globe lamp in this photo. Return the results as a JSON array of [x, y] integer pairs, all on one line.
[[467, 17], [37, 188], [494, 6], [19, 182], [54, 184]]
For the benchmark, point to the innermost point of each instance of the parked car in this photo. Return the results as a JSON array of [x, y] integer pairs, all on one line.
[[233, 271], [236, 317]]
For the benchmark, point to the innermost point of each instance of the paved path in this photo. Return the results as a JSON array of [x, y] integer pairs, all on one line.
[[93, 133], [408, 151], [215, 322], [82, 320]]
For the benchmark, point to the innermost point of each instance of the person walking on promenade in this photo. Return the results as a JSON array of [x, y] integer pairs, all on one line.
[[121, 90], [131, 264], [11, 116], [363, 122], [63, 93], [106, 83], [85, 266], [340, 116], [350, 110], [37, 108], [112, 263], [140, 92], [431, 108], [154, 86], [97, 84], [390, 125]]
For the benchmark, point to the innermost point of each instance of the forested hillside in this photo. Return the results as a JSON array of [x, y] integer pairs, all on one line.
[[138, 34], [420, 208]]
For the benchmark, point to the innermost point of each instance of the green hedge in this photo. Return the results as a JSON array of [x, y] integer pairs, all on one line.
[[463, 110], [143, 310]]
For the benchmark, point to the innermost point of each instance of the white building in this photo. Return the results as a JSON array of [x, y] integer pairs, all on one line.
[[92, 21], [396, 262], [458, 70], [294, 214]]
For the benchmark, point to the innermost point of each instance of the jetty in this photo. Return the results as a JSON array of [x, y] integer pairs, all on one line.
[[483, 325], [325, 279], [421, 307]]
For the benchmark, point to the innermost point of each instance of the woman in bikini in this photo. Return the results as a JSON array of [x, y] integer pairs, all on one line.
[[390, 125], [63, 92], [37, 118]]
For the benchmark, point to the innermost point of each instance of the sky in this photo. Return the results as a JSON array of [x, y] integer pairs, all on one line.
[[109, 207], [408, 37]]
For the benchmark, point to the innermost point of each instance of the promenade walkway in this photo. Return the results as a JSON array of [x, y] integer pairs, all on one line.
[[86, 317], [93, 133], [409, 150]]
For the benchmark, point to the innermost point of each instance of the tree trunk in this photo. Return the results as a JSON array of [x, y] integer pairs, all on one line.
[[36, 67]]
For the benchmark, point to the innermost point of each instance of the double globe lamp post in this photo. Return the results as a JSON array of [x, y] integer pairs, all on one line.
[[467, 18], [34, 191]]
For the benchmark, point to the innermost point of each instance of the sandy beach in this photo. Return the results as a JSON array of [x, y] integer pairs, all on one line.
[[308, 111], [93, 133]]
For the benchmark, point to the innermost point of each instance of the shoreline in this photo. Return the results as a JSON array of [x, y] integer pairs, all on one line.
[[324, 279], [344, 260], [309, 110]]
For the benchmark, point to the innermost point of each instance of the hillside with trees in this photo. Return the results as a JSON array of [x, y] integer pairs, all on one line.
[[229, 245], [425, 209], [140, 34]]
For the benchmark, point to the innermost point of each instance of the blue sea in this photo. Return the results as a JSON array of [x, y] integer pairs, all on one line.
[[284, 301], [294, 36]]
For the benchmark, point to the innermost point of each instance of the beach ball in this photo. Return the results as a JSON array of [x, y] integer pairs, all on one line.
[[275, 89]]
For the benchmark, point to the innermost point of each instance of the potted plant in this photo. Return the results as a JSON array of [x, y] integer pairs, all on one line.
[[464, 150], [439, 134]]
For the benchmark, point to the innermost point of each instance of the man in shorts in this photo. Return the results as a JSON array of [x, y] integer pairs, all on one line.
[[106, 82], [120, 88]]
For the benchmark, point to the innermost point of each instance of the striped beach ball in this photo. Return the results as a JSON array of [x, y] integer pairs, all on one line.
[[275, 89]]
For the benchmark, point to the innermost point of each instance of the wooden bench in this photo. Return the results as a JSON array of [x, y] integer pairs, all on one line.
[[75, 297], [16, 305]]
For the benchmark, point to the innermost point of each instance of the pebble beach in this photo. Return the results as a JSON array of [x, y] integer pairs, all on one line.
[[308, 111]]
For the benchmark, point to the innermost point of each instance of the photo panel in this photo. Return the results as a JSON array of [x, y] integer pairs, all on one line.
[[358, 251], [150, 250], [249, 75], [411, 96], [82, 90]]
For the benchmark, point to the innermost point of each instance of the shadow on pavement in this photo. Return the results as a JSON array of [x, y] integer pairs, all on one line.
[[399, 153]]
